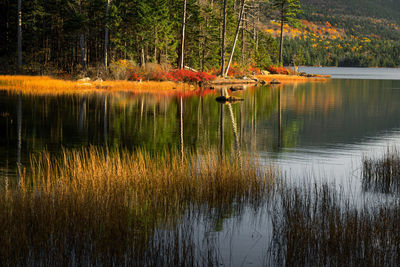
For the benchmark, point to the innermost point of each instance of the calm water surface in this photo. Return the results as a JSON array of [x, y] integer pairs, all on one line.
[[318, 130], [355, 73]]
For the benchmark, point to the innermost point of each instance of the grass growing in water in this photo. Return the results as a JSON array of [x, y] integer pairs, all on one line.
[[317, 225], [80, 209], [382, 175]]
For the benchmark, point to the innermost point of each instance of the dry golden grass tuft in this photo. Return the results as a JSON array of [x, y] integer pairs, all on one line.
[[46, 85], [285, 79], [85, 207]]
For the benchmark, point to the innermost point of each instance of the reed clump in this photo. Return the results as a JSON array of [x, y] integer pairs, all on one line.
[[382, 175], [49, 86], [90, 207], [289, 79], [317, 226]]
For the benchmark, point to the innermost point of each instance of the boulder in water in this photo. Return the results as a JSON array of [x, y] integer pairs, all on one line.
[[223, 99], [275, 81]]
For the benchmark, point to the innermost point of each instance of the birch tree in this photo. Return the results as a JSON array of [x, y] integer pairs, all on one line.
[[183, 32], [236, 36]]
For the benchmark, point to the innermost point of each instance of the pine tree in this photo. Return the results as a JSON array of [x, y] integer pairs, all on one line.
[[19, 34], [106, 34], [288, 10]]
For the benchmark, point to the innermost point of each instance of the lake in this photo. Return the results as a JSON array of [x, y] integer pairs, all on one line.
[[317, 130]]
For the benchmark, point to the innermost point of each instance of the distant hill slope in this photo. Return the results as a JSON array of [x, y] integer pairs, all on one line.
[[386, 9], [379, 18], [346, 33]]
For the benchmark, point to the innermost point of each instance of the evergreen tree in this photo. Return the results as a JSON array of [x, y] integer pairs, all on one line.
[[288, 11]]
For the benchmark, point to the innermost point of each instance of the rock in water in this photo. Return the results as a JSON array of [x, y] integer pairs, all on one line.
[[224, 99], [275, 81]]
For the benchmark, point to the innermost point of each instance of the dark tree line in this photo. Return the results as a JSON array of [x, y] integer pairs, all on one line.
[[71, 35]]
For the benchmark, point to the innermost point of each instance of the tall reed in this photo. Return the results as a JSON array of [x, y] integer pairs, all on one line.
[[80, 208], [317, 225], [383, 174]]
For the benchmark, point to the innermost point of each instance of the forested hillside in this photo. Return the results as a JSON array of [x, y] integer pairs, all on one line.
[[362, 33], [379, 17], [385, 9], [79, 36]]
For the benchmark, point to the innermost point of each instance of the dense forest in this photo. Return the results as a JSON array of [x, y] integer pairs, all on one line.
[[70, 35], [76, 36]]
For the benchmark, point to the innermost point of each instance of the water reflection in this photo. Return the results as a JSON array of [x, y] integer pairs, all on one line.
[[181, 143], [221, 128], [317, 125], [289, 123], [279, 121], [19, 135]]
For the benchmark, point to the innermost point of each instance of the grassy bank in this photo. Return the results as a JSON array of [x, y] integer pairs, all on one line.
[[86, 207], [288, 79], [48, 85]]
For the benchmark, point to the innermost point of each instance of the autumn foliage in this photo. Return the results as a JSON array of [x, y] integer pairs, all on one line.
[[175, 75], [189, 76], [279, 70]]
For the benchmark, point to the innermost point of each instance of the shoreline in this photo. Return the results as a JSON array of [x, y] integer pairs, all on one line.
[[50, 85], [267, 79]]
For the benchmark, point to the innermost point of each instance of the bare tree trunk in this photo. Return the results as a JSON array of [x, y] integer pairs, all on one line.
[[243, 40], [258, 21], [142, 57], [236, 37], [106, 35], [19, 34], [182, 56], [82, 42], [83, 52], [281, 43], [223, 41]]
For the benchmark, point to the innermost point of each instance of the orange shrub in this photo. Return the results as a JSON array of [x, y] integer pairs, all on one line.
[[279, 70]]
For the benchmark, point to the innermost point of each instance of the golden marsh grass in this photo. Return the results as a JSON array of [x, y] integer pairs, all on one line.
[[290, 79], [46, 85], [78, 208]]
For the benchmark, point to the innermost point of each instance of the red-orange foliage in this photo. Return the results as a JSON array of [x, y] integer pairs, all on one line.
[[173, 75], [255, 70], [189, 76], [135, 77], [279, 70], [236, 71]]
